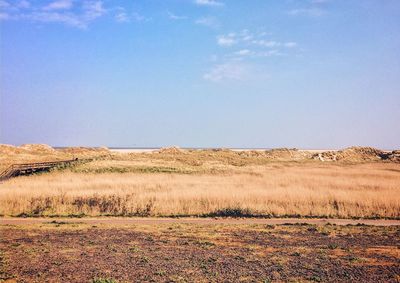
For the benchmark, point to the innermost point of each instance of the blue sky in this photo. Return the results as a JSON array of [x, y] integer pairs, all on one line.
[[200, 73]]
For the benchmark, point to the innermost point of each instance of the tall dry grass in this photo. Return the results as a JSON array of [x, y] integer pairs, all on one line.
[[277, 189]]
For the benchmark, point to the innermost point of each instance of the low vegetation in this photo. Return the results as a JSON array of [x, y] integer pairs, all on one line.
[[113, 253], [305, 189], [356, 182]]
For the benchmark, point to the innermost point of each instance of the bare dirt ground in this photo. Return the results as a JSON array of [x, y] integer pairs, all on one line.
[[205, 220], [173, 252]]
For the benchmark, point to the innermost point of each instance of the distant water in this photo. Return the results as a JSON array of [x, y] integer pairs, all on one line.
[[149, 149]]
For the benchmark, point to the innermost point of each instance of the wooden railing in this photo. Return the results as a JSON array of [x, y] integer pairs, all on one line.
[[29, 168]]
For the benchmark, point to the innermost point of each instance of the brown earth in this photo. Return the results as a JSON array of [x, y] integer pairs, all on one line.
[[74, 252], [198, 220]]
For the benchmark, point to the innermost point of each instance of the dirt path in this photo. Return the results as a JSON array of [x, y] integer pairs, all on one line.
[[157, 221]]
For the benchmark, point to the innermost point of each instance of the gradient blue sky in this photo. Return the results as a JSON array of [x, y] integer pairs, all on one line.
[[201, 73]]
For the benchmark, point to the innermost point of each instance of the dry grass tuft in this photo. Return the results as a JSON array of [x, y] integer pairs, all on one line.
[[309, 189]]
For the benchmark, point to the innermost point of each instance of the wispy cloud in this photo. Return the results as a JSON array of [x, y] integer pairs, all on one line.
[[230, 71], [59, 11], [212, 3], [93, 10], [139, 18], [56, 17], [226, 40], [238, 55], [79, 14], [208, 22], [266, 43], [269, 53], [243, 52], [314, 8], [247, 39], [59, 5], [121, 16], [244, 63], [172, 16], [235, 71], [272, 43]]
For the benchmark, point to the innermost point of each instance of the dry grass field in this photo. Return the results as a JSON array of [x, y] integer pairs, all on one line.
[[208, 183]]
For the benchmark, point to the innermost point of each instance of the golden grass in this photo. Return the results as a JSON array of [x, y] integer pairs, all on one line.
[[273, 189]]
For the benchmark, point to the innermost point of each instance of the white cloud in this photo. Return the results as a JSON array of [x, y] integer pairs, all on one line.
[[251, 46], [243, 52], [59, 5], [93, 10], [230, 71], [245, 39], [274, 44], [270, 53], [208, 22], [209, 3], [226, 40], [315, 8], [266, 43], [55, 17], [172, 16], [59, 11], [122, 17]]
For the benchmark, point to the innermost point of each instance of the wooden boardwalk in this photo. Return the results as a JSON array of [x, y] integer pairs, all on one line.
[[29, 168]]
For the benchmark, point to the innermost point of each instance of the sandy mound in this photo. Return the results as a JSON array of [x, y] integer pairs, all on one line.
[[26, 149], [252, 153], [326, 156], [85, 151], [42, 148], [6, 149], [170, 150], [352, 154], [286, 154]]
